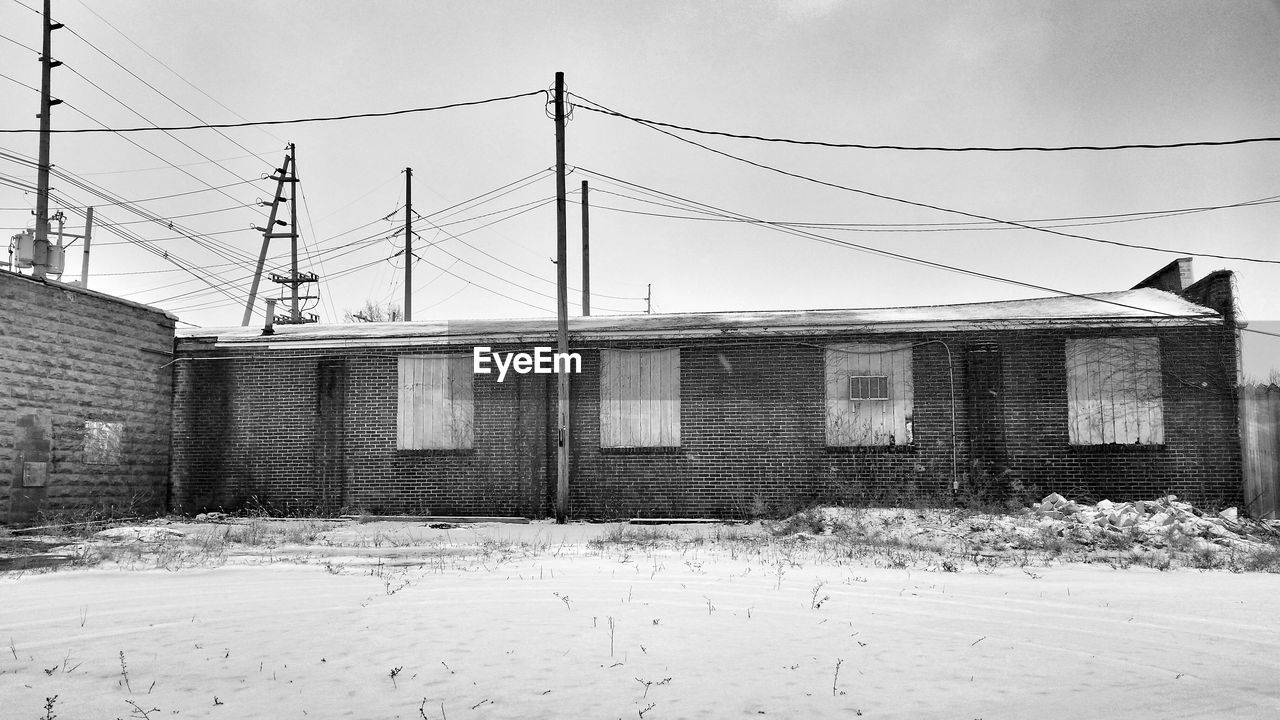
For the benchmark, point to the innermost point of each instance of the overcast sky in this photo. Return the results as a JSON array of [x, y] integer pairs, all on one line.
[[881, 73]]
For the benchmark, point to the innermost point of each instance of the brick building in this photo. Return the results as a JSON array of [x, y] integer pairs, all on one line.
[[1123, 395], [85, 412]]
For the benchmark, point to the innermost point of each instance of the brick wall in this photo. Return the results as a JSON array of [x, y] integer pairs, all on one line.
[[752, 432], [247, 431], [67, 357]]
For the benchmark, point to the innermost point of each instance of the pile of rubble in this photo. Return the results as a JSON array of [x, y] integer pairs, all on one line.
[[1166, 522]]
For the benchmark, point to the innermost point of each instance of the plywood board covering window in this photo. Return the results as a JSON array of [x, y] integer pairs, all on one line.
[[640, 398], [881, 372], [436, 408], [1114, 391], [103, 442]]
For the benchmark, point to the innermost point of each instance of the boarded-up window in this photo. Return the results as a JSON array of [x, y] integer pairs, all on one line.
[[869, 395], [102, 442], [640, 398], [1113, 391], [436, 408]]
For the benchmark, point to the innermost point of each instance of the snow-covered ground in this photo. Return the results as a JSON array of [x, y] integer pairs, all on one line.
[[400, 620]]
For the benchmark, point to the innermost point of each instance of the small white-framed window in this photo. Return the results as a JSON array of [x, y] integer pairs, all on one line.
[[1114, 391], [640, 398], [869, 395], [868, 387], [435, 406]]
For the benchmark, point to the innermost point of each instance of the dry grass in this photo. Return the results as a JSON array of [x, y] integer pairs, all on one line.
[[933, 540]]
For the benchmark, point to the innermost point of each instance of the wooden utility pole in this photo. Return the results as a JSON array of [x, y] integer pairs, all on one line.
[[295, 312], [562, 313], [283, 175], [408, 244], [586, 254], [40, 249], [648, 299], [84, 254]]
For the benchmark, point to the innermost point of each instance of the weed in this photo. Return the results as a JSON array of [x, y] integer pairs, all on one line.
[[815, 602], [1121, 540], [644, 536], [124, 673], [138, 712], [393, 673], [1264, 559], [304, 533], [810, 521], [48, 708], [1205, 558]]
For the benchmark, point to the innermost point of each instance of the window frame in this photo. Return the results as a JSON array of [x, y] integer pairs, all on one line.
[[447, 419], [649, 421], [1115, 391], [867, 423], [877, 380]]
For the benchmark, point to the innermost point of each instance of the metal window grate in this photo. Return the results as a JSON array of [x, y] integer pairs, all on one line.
[[868, 387]]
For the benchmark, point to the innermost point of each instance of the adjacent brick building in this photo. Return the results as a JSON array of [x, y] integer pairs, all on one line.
[[1120, 395], [85, 413]]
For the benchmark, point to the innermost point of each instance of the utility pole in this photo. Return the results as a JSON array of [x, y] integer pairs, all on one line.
[[562, 313], [648, 299], [295, 313], [408, 244], [283, 175], [586, 254], [84, 255], [286, 174], [40, 250]]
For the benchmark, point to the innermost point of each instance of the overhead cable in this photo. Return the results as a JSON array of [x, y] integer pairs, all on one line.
[[899, 256], [952, 211], [294, 121], [930, 148]]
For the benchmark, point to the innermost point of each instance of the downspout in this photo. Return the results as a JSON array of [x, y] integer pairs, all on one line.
[[951, 374]]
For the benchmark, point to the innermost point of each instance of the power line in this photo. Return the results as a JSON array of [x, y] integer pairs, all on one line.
[[482, 287], [932, 148], [294, 121], [320, 288], [158, 92], [161, 197], [24, 46], [529, 206], [898, 256], [953, 211], [172, 71], [947, 227], [130, 108], [19, 82], [171, 166], [452, 236]]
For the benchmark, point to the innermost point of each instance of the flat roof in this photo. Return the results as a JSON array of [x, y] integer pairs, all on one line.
[[78, 288], [1143, 307]]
